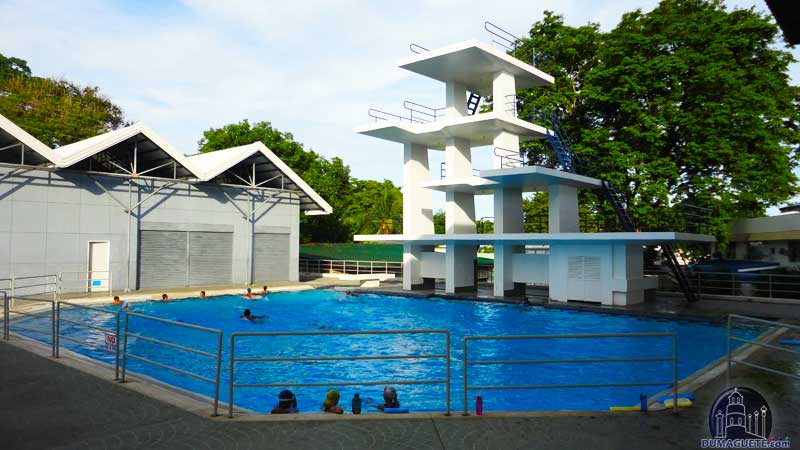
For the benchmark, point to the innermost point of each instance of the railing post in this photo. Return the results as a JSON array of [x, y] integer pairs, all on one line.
[[57, 339], [733, 283], [125, 349], [219, 369], [728, 343], [53, 328], [110, 283], [13, 293], [6, 313], [447, 362], [230, 380], [769, 282], [116, 352], [466, 412], [59, 284], [675, 373]]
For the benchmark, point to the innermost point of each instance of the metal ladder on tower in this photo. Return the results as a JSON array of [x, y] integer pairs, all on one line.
[[472, 103], [567, 159]]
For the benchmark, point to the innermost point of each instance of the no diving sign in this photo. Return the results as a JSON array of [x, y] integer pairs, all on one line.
[[111, 342]]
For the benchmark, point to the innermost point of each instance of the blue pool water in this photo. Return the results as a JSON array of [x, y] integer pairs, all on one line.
[[698, 344]]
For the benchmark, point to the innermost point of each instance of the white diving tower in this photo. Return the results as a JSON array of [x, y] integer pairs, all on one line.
[[596, 267]]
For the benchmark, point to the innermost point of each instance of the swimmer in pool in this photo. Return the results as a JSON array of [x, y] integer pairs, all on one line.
[[249, 316], [116, 301], [202, 294], [390, 398], [264, 290], [331, 403], [164, 297]]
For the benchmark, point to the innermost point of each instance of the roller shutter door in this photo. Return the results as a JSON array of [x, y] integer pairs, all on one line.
[[271, 257], [184, 258], [162, 259], [210, 258]]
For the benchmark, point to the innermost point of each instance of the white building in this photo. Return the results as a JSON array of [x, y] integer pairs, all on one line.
[[595, 267]]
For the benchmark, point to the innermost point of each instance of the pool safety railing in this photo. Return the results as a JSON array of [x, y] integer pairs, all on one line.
[[443, 171], [85, 281], [111, 336], [424, 113], [9, 326], [732, 359], [216, 356], [20, 288], [443, 356], [673, 358], [349, 266]]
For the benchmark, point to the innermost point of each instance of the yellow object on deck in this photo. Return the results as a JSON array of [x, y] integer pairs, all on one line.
[[682, 403], [626, 408]]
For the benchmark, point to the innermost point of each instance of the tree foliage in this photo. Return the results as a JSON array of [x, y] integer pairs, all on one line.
[[359, 206], [57, 112], [688, 104]]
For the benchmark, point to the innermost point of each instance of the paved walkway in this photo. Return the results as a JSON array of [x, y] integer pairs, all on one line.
[[48, 405]]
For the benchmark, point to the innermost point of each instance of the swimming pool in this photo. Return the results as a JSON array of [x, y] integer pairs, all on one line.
[[323, 310]]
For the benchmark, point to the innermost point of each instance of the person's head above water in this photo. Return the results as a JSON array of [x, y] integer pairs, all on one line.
[[202, 294], [332, 399], [246, 313], [164, 297], [286, 400], [249, 291], [389, 394], [116, 299]]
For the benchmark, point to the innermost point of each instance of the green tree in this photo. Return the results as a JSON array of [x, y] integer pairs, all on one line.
[[686, 104], [57, 112], [356, 203]]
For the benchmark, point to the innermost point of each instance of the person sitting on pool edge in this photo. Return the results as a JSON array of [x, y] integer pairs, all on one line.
[[249, 316], [331, 403], [390, 398], [287, 403]]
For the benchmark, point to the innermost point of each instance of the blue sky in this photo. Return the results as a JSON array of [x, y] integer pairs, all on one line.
[[312, 68]]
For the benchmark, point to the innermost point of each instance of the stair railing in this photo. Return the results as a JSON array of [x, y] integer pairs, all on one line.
[[416, 48]]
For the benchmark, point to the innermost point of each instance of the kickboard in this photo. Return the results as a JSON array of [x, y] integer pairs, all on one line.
[[789, 341], [682, 403], [688, 395]]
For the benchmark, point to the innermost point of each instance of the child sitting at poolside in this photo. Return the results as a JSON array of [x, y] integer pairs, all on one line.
[[331, 404], [287, 403]]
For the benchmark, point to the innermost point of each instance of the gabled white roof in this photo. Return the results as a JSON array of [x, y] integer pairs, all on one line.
[[28, 140], [209, 165], [78, 151]]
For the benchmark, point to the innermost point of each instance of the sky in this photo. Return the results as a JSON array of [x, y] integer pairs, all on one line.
[[312, 68]]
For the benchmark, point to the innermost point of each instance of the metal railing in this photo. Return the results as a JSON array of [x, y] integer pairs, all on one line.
[[416, 48], [753, 320], [512, 104], [20, 287], [218, 356], [377, 114], [8, 324], [108, 332], [673, 358], [428, 114], [445, 356], [509, 158], [349, 266], [85, 281], [443, 171]]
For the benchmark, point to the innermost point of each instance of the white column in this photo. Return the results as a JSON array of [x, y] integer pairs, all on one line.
[[459, 206], [417, 201], [455, 99], [563, 204], [508, 218], [503, 88], [459, 268], [417, 210]]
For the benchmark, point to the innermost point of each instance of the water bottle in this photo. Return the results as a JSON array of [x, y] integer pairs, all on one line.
[[356, 404], [479, 405], [643, 402]]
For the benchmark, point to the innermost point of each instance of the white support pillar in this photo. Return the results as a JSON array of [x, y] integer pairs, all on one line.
[[503, 92], [508, 218], [563, 214], [417, 211], [459, 268], [455, 99], [417, 201]]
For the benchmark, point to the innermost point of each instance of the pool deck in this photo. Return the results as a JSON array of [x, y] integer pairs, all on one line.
[[47, 404]]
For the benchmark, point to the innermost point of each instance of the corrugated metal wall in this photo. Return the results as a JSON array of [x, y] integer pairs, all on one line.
[[269, 257], [184, 258]]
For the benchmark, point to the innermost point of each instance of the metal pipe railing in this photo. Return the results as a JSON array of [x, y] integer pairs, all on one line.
[[467, 362], [731, 360], [233, 360], [349, 266], [108, 331], [8, 304], [81, 281], [218, 356]]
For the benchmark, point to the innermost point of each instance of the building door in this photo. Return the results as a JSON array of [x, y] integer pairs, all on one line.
[[270, 257], [99, 275]]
